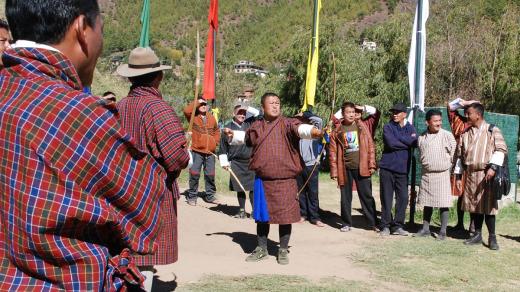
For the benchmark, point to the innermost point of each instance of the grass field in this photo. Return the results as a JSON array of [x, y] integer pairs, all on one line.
[[274, 283], [405, 263], [424, 263]]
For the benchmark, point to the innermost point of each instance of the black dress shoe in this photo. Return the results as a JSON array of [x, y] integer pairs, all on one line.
[[475, 239]]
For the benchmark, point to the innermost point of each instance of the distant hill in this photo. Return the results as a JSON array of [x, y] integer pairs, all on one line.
[[256, 30]]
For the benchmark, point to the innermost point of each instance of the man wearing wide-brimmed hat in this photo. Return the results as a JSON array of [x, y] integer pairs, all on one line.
[[158, 131]]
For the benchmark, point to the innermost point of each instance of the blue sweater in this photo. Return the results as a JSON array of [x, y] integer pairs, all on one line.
[[398, 142]]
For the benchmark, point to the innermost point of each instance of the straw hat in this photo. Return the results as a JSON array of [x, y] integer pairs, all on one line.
[[140, 62]]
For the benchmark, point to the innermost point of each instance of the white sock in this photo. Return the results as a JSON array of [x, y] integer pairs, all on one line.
[[149, 280]]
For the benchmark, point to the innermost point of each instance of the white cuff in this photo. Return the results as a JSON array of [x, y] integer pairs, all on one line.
[[458, 167], [252, 111], [370, 110], [455, 104], [239, 138], [338, 115], [305, 131], [223, 159], [497, 158]]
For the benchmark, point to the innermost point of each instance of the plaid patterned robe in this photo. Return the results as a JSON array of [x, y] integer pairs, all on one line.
[[158, 131], [475, 149], [75, 191], [458, 124], [436, 157], [275, 158]]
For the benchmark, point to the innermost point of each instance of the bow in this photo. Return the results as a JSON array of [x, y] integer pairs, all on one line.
[[318, 159]]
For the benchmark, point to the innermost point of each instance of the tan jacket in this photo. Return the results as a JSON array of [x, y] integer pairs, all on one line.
[[367, 154], [205, 134]]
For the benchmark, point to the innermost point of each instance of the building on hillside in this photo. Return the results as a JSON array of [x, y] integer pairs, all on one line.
[[368, 45], [248, 67]]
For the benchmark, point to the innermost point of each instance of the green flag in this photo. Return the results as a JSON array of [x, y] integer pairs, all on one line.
[[145, 25]]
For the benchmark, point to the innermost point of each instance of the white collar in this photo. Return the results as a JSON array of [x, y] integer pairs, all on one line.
[[31, 44]]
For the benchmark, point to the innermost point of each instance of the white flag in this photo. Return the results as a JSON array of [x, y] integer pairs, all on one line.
[[415, 64]]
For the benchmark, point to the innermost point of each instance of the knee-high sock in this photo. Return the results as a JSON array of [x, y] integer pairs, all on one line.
[[445, 215], [241, 196], [460, 212], [490, 223], [479, 220], [285, 235], [427, 217], [262, 231]]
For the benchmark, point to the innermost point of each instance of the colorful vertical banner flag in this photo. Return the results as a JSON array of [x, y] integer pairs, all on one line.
[[209, 59], [417, 60], [312, 62], [144, 41]]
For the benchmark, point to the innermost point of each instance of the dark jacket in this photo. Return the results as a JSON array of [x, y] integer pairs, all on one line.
[[398, 142]]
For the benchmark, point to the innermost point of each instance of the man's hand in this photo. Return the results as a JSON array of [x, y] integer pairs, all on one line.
[[458, 185], [316, 133], [489, 175], [372, 171], [228, 132]]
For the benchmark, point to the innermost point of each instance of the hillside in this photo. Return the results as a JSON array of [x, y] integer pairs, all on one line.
[[256, 30], [473, 49]]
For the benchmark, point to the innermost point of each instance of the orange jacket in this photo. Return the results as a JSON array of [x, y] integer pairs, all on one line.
[[205, 133]]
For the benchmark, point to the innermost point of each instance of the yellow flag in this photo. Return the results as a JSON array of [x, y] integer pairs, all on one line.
[[216, 113], [312, 63]]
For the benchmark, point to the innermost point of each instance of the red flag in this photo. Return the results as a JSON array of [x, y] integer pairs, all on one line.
[[209, 59]]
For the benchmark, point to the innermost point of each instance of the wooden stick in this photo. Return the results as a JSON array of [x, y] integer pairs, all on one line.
[[232, 174], [197, 84]]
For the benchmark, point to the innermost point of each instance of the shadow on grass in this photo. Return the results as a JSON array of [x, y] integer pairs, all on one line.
[[248, 242], [515, 238]]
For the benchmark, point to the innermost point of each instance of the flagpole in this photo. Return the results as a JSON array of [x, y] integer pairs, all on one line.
[[417, 92], [314, 27], [197, 84]]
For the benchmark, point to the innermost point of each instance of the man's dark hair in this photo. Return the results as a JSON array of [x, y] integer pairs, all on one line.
[[108, 93], [347, 104], [477, 106], [144, 80], [266, 95], [433, 112], [4, 24], [47, 21]]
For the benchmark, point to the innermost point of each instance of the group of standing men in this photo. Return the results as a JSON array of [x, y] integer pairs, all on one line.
[[89, 187], [473, 158]]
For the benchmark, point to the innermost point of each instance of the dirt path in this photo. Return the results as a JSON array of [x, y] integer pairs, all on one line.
[[213, 242]]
